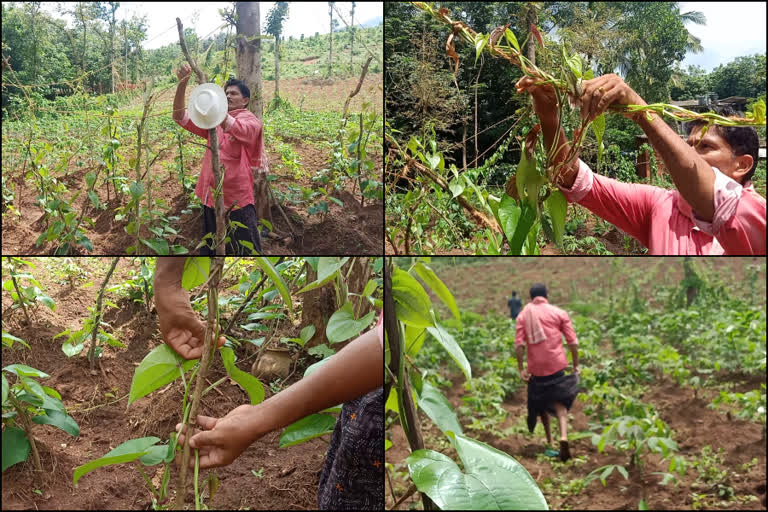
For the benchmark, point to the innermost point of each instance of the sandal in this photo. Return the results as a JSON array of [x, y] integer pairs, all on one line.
[[549, 452]]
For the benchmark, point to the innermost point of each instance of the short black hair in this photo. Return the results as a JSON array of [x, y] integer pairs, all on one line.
[[743, 140], [244, 90], [538, 290], [514, 293]]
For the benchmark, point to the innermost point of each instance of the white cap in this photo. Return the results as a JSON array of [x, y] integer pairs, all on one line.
[[207, 106]]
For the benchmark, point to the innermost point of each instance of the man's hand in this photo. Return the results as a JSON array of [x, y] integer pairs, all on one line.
[[184, 71], [180, 326], [604, 91], [576, 370], [525, 375], [544, 99], [223, 439]]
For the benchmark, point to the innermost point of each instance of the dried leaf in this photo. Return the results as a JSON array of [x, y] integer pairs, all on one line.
[[530, 141], [444, 11], [511, 187], [496, 34], [452, 52], [536, 34]]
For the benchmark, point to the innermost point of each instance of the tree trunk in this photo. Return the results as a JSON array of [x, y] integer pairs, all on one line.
[[277, 66], [352, 39], [318, 306], [330, 38], [532, 18], [464, 146], [248, 54], [691, 280]]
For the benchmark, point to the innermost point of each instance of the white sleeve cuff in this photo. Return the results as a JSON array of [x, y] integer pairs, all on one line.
[[727, 195]]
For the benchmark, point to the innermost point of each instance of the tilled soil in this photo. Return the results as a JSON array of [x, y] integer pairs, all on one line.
[[285, 479]]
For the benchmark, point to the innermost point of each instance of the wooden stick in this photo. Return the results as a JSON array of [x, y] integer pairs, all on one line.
[[213, 144]]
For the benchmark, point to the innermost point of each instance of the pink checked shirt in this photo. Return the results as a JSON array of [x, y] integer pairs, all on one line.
[[664, 222], [546, 357], [241, 145]]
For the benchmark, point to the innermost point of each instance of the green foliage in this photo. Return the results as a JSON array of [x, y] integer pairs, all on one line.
[[26, 401]]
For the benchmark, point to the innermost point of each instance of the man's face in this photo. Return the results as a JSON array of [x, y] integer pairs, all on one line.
[[716, 152], [235, 98]]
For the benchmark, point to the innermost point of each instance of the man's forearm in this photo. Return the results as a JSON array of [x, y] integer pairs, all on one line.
[[168, 272], [549, 128], [178, 100], [574, 354], [355, 370], [693, 177], [520, 351]]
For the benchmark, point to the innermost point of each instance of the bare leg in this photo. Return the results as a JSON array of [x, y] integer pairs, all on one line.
[[562, 417], [545, 421]]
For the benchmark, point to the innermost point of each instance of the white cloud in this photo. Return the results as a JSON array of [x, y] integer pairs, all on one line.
[[733, 29]]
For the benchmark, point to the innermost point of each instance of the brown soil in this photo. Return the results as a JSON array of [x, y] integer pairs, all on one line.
[[347, 229], [694, 424], [289, 476]]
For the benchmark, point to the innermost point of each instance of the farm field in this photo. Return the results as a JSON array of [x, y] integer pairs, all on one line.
[[272, 340], [75, 180], [681, 388]]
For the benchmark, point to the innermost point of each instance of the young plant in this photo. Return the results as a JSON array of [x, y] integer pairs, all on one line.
[[24, 296], [27, 402], [161, 367]]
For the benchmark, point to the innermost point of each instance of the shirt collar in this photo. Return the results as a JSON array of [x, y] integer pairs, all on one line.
[[540, 300]]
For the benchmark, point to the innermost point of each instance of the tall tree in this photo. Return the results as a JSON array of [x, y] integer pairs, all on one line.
[[330, 37], [249, 52], [352, 37], [275, 19]]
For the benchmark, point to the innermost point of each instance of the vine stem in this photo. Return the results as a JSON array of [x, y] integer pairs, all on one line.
[[209, 346]]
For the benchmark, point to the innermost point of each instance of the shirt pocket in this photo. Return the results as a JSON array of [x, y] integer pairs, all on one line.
[[230, 147]]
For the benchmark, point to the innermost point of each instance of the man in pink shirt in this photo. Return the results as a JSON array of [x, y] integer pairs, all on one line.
[[540, 328], [715, 209], [241, 147]]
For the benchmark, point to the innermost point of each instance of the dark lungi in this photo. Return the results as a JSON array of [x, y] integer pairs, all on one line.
[[543, 391]]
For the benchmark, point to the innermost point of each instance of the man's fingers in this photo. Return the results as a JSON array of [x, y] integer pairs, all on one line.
[[207, 422]]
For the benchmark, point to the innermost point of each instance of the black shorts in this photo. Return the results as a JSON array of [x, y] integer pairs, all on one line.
[[250, 234]]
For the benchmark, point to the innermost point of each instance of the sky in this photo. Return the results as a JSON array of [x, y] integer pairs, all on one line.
[[733, 29], [303, 17]]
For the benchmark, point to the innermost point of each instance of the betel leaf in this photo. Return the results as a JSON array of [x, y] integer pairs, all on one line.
[[327, 268], [342, 325], [439, 409], [508, 216], [481, 42], [493, 480], [157, 369], [314, 425], [126, 452], [24, 370], [158, 245], [511, 39], [15, 446], [430, 279], [196, 271], [307, 333], [557, 206], [136, 189], [453, 348], [456, 186], [527, 218], [248, 382], [274, 276], [58, 419], [412, 304]]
